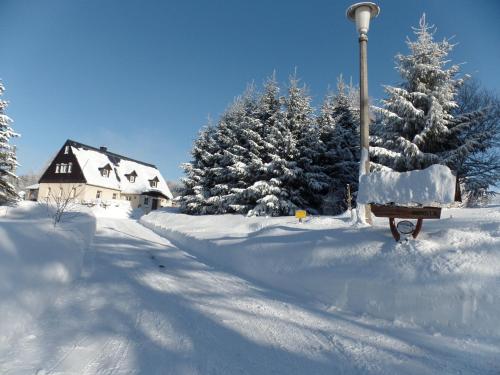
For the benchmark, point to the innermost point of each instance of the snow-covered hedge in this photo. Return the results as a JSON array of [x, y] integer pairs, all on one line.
[[447, 280], [433, 186]]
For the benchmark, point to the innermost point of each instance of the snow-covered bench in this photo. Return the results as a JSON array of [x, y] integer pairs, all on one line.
[[417, 195]]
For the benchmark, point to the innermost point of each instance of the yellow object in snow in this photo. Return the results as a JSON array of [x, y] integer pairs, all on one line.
[[300, 214]]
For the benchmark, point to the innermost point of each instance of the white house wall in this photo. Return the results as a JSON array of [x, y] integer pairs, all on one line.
[[88, 193]]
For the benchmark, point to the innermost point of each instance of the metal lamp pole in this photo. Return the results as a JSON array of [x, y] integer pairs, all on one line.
[[361, 13]]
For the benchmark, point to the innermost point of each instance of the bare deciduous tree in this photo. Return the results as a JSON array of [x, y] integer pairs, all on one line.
[[478, 171], [63, 203], [176, 187]]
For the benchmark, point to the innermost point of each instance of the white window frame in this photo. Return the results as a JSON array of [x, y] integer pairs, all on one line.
[[57, 168], [131, 178], [66, 150], [70, 165], [105, 172], [153, 183], [63, 168]]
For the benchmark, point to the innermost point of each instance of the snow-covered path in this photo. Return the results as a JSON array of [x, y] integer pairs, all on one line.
[[142, 306]]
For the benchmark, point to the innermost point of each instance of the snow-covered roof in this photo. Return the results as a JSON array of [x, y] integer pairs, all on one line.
[[433, 186], [93, 160]]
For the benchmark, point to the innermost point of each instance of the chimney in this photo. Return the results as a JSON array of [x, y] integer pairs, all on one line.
[[103, 149]]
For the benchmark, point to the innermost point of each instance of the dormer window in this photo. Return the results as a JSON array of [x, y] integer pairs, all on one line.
[[66, 150], [105, 170], [131, 176], [154, 182]]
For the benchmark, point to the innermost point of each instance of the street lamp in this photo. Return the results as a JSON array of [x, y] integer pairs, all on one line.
[[361, 13]]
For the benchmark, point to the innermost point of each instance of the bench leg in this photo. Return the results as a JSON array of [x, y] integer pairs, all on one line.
[[394, 230], [417, 228]]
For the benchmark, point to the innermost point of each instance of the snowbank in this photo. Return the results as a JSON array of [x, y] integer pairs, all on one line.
[[433, 186], [113, 209], [447, 280], [36, 261]]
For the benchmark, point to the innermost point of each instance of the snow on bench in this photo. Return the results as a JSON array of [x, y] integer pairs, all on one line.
[[433, 187]]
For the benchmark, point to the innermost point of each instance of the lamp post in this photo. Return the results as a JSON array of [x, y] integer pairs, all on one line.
[[361, 13]]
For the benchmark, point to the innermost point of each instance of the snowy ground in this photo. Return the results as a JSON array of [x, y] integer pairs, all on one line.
[[37, 262], [447, 281], [143, 306]]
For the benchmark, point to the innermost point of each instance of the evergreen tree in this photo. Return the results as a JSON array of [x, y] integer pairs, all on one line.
[[339, 132], [307, 181], [222, 174], [223, 159], [328, 156], [417, 126], [244, 155], [265, 193], [197, 182], [8, 161], [266, 155]]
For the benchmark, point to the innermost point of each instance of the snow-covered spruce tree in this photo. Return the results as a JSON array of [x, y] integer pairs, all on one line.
[[8, 161], [220, 180], [307, 182], [417, 127], [268, 163], [339, 133], [238, 134], [196, 182], [263, 157], [328, 156], [228, 149]]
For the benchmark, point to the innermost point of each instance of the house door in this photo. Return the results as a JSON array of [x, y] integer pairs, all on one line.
[[154, 204]]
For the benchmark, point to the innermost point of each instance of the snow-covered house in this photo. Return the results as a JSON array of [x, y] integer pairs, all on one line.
[[91, 174]]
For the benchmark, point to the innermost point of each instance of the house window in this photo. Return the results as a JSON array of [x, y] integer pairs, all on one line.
[[70, 165], [146, 201], [48, 192], [98, 194], [105, 172], [57, 168], [131, 178], [66, 150], [73, 193], [129, 198], [114, 195], [63, 168]]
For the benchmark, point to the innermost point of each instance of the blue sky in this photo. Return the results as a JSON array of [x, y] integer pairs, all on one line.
[[141, 77]]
